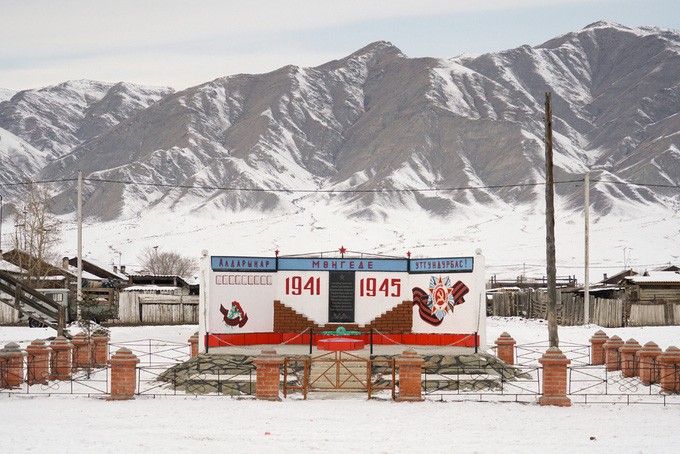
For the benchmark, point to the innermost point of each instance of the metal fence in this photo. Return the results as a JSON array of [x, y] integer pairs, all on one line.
[[586, 384], [527, 355], [155, 356], [483, 386]]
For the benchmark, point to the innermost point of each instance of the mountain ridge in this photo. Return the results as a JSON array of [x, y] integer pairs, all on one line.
[[376, 122]]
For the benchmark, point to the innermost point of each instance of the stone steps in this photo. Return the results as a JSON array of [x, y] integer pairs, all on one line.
[[235, 374]]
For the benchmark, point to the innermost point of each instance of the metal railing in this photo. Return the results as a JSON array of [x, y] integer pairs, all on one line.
[[382, 376], [586, 384], [158, 380], [298, 368], [529, 354]]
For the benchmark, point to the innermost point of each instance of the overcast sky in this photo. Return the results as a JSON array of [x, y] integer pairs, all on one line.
[[185, 43]]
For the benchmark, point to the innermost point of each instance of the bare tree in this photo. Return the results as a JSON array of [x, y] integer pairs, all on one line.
[[36, 234], [167, 263]]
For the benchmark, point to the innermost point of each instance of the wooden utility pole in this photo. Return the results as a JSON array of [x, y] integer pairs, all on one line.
[[0, 226], [550, 226], [79, 290], [586, 294]]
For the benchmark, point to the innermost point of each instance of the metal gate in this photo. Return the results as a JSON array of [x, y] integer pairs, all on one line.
[[338, 371]]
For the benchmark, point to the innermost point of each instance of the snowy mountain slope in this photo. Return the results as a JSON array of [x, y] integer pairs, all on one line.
[[379, 120], [635, 92], [272, 131], [60, 117], [41, 125], [614, 89], [18, 161]]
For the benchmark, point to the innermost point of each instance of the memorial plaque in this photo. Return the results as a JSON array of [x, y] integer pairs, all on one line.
[[341, 296]]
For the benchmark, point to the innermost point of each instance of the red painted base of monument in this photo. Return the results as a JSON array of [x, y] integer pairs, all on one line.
[[340, 344]]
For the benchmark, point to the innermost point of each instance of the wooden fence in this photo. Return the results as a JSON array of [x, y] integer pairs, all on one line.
[[152, 309], [8, 315], [533, 304], [659, 314], [610, 313], [161, 311]]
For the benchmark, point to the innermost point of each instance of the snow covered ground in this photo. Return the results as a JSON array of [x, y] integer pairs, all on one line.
[[65, 423]]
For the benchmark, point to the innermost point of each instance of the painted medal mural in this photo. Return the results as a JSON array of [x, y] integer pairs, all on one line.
[[439, 299]]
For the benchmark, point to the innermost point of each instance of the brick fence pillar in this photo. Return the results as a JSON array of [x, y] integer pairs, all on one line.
[[410, 367], [648, 369], [123, 375], [669, 369], [505, 348], [554, 378], [597, 348], [81, 351], [61, 358], [12, 363], [193, 342], [4, 369], [268, 364], [100, 348], [628, 352], [38, 362], [611, 353]]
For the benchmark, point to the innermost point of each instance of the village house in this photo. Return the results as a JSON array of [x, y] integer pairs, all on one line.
[[58, 282], [153, 299], [654, 298]]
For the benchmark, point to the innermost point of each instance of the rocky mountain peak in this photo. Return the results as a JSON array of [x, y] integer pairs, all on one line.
[[379, 47], [605, 24]]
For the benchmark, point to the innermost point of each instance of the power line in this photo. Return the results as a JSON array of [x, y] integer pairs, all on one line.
[[29, 182], [647, 185], [338, 191], [230, 188]]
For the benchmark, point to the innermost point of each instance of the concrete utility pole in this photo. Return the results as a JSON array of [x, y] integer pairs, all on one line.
[[550, 226], [586, 294]]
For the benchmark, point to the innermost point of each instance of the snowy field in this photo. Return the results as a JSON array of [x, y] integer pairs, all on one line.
[[511, 238], [347, 423]]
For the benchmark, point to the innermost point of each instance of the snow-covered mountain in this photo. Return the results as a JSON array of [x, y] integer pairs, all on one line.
[[366, 130], [19, 159], [50, 122]]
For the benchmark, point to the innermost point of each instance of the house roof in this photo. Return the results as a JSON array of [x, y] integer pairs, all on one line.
[[503, 289], [17, 257], [656, 277], [608, 289], [150, 288], [13, 259], [618, 277], [156, 278], [97, 269], [9, 267], [667, 268]]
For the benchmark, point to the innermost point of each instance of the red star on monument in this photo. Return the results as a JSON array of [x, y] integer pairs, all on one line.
[[343, 249], [408, 254], [276, 252]]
